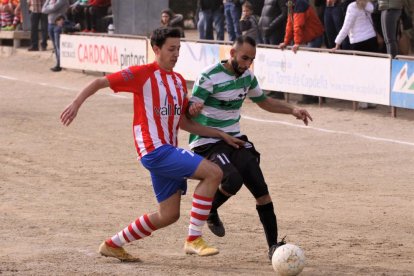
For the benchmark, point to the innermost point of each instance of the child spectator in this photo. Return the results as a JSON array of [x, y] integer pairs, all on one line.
[[17, 17], [171, 19], [249, 23]]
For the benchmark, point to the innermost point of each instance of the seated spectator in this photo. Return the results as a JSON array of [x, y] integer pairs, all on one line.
[[17, 18], [96, 10], [66, 25], [249, 23], [6, 14], [77, 12], [171, 19], [358, 25]]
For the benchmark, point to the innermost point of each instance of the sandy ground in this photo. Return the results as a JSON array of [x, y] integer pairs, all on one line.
[[343, 188]]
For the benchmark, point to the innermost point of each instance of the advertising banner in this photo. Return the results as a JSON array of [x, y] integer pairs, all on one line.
[[354, 78], [194, 57], [101, 53], [402, 83]]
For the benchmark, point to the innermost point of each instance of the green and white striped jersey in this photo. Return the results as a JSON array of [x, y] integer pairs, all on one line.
[[223, 95]]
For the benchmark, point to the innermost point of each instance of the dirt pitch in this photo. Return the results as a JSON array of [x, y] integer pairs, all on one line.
[[343, 188]]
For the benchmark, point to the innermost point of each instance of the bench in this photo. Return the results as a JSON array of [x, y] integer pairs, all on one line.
[[16, 36]]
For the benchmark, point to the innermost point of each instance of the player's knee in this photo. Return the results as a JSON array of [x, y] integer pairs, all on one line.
[[215, 173], [168, 217], [232, 184]]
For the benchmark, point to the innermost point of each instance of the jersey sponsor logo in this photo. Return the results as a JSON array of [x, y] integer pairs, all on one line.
[[168, 110]]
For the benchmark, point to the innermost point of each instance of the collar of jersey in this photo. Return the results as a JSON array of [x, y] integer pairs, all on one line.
[[162, 70]]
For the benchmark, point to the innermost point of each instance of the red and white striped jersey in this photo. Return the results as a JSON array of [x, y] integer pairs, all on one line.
[[160, 98]]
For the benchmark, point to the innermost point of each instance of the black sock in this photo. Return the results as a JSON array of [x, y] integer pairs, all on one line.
[[219, 199], [268, 218]]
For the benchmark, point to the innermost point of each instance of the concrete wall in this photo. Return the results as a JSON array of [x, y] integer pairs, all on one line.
[[137, 17]]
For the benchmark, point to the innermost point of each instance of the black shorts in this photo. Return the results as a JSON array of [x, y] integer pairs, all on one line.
[[245, 161]]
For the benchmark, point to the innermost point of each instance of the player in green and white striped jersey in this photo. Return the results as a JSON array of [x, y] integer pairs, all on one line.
[[218, 96]]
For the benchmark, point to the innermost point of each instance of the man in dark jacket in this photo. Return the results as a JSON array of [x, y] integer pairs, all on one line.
[[272, 22], [210, 12]]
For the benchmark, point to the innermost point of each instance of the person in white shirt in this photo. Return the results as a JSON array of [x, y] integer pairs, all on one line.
[[358, 25]]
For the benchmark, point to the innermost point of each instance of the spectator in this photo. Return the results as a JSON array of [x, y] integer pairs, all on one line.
[[54, 8], [272, 22], [249, 23], [77, 12], [210, 12], [37, 16], [171, 19], [66, 25], [358, 25], [95, 10], [232, 13], [17, 18], [303, 26], [6, 14], [333, 20], [390, 15]]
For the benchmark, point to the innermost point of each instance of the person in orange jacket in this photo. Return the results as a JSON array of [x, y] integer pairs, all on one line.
[[303, 26]]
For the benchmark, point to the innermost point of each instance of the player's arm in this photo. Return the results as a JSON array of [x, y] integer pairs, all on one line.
[[276, 106], [193, 127], [70, 112]]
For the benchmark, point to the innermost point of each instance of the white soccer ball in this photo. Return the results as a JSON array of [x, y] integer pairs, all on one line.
[[288, 260]]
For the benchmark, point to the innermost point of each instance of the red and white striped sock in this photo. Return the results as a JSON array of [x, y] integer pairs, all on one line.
[[199, 213], [138, 229]]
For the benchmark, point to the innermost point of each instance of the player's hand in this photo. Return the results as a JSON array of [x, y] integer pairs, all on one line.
[[302, 114], [69, 114], [195, 109], [295, 48], [232, 141], [282, 46]]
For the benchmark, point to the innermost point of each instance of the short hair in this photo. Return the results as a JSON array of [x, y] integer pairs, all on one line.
[[244, 39], [60, 17], [160, 35], [248, 5]]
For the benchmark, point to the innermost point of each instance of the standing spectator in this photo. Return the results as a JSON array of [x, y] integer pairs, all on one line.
[[171, 19], [232, 12], [333, 20], [95, 10], [54, 8], [303, 26], [359, 27], [272, 22], [249, 24], [390, 15], [35, 17], [210, 12]]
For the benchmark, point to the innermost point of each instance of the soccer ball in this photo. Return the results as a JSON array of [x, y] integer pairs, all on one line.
[[288, 260]]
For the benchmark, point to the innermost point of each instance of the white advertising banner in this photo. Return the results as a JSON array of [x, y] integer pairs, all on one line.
[[194, 57], [101, 53], [354, 78]]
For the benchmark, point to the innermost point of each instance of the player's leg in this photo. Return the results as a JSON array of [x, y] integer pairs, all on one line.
[[210, 176], [247, 162], [220, 154], [168, 213]]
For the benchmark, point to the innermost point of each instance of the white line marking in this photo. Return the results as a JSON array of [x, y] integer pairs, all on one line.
[[373, 138], [7, 78], [330, 131]]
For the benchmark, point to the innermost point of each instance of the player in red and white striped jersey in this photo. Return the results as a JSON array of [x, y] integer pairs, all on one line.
[[160, 104]]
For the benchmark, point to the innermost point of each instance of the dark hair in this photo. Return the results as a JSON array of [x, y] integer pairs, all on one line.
[[244, 39], [169, 12], [60, 17], [160, 35]]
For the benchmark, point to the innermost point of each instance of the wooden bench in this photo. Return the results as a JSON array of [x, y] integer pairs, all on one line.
[[16, 36]]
